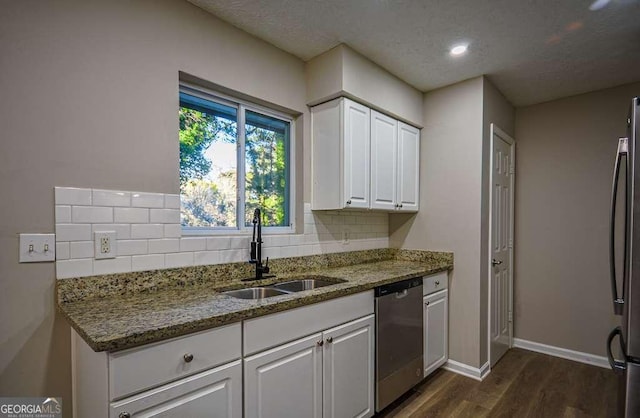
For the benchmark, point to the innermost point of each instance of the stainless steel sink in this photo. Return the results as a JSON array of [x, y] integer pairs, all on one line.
[[255, 293], [306, 284]]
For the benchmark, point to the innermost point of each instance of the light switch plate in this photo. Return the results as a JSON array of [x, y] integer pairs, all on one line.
[[105, 244], [36, 248]]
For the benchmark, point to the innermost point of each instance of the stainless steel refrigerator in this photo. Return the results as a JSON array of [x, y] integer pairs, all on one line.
[[625, 280]]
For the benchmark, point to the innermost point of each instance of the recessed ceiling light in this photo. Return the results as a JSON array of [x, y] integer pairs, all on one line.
[[458, 50], [598, 4]]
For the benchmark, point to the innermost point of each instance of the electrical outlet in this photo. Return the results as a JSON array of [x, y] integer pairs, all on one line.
[[105, 244]]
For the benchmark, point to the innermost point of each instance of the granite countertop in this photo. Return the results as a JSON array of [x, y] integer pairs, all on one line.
[[116, 312]]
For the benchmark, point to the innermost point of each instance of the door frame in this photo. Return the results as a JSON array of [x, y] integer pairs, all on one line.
[[495, 130]]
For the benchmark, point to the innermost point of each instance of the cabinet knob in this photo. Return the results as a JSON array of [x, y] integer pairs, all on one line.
[[426, 304], [330, 340], [320, 343], [188, 357], [437, 283], [349, 202], [400, 205], [124, 415]]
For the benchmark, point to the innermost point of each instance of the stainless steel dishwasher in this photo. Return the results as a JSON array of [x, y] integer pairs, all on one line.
[[399, 339]]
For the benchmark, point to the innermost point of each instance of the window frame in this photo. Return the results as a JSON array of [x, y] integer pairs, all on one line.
[[242, 106]]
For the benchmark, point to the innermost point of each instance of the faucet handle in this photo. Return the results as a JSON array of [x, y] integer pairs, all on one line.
[[266, 266]]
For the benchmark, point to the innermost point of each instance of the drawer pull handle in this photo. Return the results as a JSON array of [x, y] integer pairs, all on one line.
[[437, 283], [124, 415], [188, 357], [320, 343], [330, 340]]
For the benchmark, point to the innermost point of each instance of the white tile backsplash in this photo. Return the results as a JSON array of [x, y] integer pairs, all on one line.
[[164, 216], [172, 201], [133, 247], [178, 260], [193, 244], [131, 215], [161, 246], [73, 232], [172, 230], [149, 234], [91, 214], [111, 198], [81, 249], [62, 250], [72, 196], [147, 200], [63, 214], [74, 268], [147, 231], [112, 265], [147, 262]]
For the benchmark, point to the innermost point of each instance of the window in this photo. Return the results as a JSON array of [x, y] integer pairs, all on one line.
[[234, 157]]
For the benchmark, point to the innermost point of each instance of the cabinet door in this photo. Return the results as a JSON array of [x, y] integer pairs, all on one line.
[[384, 161], [285, 381], [408, 197], [436, 326], [348, 378], [356, 155], [216, 392]]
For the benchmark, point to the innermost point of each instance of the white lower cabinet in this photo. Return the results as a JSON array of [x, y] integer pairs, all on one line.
[[214, 393], [285, 381], [328, 374], [197, 375], [348, 369], [436, 325]]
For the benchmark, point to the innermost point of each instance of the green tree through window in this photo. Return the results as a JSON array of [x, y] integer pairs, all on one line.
[[210, 182]]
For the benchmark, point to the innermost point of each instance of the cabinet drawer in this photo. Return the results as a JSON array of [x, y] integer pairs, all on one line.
[[217, 391], [151, 365], [435, 283], [275, 329]]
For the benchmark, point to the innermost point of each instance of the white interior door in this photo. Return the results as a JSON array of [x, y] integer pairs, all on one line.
[[501, 269]]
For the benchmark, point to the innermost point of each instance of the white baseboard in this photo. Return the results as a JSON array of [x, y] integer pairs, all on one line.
[[564, 353], [468, 371]]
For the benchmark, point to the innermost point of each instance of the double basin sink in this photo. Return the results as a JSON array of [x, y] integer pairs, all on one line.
[[284, 288]]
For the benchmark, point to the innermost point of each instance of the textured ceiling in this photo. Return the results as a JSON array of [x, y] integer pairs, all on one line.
[[532, 50]]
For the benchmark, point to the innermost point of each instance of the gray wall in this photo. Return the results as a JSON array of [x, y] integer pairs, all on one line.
[[341, 71], [450, 197], [564, 162], [454, 210], [89, 99]]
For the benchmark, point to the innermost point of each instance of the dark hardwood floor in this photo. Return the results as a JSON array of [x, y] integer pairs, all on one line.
[[522, 384]]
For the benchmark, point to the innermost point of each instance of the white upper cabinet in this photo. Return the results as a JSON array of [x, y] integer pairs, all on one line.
[[362, 159], [384, 161], [356, 155], [340, 155], [408, 195]]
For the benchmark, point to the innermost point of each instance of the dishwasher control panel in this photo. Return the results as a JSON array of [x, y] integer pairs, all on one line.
[[398, 286]]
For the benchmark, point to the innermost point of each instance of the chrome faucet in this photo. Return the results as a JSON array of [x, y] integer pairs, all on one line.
[[256, 247]]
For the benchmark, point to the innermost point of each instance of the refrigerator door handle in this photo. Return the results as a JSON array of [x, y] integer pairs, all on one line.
[[616, 365], [618, 303]]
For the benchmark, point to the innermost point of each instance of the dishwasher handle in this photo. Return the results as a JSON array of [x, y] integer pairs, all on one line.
[[402, 294]]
